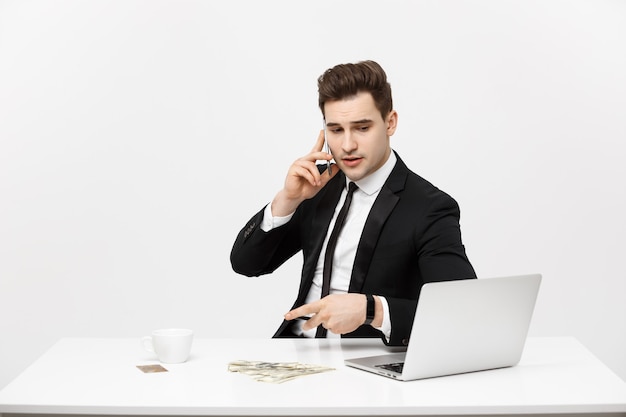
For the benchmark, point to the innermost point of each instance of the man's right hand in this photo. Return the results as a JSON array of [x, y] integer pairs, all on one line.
[[303, 180]]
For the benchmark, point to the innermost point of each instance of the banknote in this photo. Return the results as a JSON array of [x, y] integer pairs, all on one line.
[[275, 372]]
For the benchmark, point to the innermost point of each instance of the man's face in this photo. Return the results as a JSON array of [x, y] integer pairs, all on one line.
[[357, 134]]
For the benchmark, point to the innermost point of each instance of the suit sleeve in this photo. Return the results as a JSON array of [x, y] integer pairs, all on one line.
[[256, 252], [441, 257]]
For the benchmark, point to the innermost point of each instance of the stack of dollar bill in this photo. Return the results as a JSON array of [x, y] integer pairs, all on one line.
[[276, 372]]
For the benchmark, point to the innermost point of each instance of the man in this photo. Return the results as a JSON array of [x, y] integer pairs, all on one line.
[[400, 231]]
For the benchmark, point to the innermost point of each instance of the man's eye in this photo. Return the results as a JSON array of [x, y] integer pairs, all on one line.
[[336, 130], [364, 128]]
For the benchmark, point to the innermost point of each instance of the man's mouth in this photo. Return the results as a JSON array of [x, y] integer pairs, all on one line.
[[352, 161]]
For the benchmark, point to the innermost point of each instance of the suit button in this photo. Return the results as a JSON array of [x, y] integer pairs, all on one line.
[[405, 342], [249, 230]]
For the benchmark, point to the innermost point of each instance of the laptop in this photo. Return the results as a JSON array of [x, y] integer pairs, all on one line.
[[462, 326]]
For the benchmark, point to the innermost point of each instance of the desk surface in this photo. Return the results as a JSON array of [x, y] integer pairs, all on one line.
[[99, 376]]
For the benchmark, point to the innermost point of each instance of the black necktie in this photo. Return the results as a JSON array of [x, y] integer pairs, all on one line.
[[330, 249]]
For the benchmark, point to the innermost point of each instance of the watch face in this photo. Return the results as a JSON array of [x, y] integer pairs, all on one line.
[[371, 309]]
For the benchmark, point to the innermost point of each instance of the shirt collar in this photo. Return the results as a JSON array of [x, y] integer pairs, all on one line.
[[374, 182]]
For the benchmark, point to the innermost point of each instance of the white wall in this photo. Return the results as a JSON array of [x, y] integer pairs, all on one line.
[[137, 137]]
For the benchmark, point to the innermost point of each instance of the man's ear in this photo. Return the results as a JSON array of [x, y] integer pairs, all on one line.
[[392, 122]]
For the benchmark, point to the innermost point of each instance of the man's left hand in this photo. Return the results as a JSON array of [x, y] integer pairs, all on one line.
[[338, 313]]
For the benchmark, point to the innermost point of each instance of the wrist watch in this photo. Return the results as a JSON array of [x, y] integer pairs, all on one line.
[[371, 309]]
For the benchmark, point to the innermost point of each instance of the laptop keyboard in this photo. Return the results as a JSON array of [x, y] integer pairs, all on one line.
[[395, 367]]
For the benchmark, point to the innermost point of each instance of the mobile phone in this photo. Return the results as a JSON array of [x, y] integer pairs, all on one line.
[[326, 149]]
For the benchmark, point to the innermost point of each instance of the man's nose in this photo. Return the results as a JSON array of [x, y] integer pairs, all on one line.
[[348, 144]]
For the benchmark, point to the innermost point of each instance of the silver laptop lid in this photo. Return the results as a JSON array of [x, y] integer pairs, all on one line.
[[463, 326], [470, 325]]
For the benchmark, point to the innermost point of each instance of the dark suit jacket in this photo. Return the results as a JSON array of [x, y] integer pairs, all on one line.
[[411, 236]]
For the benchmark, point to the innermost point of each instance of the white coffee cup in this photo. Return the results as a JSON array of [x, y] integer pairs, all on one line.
[[170, 345]]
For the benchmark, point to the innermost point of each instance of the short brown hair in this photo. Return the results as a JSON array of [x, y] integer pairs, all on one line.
[[346, 80]]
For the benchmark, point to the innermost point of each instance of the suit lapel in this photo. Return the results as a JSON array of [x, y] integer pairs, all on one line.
[[319, 227], [382, 208]]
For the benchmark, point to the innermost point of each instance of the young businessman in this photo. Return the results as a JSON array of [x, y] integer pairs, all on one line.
[[400, 231]]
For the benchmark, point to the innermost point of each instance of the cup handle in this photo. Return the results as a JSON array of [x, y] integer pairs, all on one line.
[[146, 342]]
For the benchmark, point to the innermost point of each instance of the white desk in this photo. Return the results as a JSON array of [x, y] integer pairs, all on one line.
[[99, 376]]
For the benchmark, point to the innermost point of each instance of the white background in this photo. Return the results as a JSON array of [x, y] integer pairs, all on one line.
[[138, 137]]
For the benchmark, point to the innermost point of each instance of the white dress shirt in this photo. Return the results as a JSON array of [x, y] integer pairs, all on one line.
[[347, 243]]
